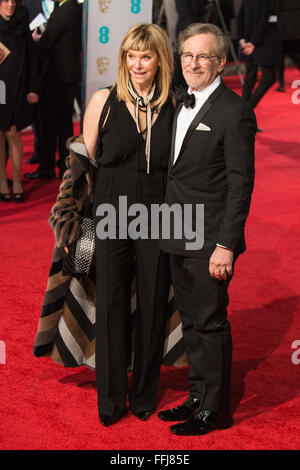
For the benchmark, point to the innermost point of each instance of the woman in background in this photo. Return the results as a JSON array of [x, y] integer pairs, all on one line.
[[19, 81]]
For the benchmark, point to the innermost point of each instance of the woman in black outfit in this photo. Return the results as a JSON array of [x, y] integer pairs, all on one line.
[[19, 73], [132, 150]]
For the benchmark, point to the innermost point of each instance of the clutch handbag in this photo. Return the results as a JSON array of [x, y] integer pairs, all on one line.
[[81, 253], [85, 246]]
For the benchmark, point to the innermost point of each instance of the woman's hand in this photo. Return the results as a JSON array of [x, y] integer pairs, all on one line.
[[32, 98], [66, 249]]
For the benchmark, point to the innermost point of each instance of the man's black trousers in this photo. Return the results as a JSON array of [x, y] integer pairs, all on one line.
[[202, 303]]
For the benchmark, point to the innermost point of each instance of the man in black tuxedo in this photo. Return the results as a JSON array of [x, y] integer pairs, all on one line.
[[34, 8], [60, 48], [289, 23], [189, 11], [211, 164], [259, 37]]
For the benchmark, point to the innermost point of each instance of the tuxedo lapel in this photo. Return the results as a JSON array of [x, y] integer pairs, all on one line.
[[177, 111], [203, 110]]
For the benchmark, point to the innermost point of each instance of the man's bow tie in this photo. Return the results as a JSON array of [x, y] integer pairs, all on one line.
[[187, 99]]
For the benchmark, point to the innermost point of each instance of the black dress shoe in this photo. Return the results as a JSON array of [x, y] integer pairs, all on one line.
[[181, 412], [41, 174], [202, 423], [143, 415], [34, 159], [108, 420]]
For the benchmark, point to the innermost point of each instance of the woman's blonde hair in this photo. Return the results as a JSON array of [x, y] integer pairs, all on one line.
[[143, 37]]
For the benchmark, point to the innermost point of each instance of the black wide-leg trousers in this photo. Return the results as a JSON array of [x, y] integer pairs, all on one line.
[[112, 293], [202, 302]]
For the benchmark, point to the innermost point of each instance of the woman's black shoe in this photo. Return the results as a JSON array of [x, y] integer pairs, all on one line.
[[5, 197], [143, 415], [18, 197], [108, 420]]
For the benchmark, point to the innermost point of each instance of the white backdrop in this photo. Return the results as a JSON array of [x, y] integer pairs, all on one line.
[[105, 24]]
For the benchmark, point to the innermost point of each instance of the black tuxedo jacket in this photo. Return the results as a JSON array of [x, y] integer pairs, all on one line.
[[60, 45], [289, 19], [189, 11], [215, 168], [34, 8], [253, 25]]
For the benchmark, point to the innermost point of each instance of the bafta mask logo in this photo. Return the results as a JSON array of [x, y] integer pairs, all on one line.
[[102, 65], [105, 5]]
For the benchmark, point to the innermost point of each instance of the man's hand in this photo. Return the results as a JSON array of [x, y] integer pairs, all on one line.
[[2, 55], [248, 48], [36, 36], [220, 263], [32, 98]]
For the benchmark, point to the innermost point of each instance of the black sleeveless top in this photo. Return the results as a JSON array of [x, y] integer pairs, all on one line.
[[122, 161]]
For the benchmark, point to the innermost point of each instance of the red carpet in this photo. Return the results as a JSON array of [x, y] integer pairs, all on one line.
[[44, 406]]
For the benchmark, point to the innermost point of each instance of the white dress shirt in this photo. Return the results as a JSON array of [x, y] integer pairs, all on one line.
[[186, 115]]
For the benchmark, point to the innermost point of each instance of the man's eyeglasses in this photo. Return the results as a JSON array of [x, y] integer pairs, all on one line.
[[202, 59]]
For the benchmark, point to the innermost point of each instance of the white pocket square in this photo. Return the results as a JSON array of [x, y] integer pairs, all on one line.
[[202, 127]]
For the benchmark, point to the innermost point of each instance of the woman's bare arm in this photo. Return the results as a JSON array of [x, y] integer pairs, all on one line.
[[91, 120]]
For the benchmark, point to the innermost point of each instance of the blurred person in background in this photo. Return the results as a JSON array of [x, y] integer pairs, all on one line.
[[35, 8], [289, 23], [60, 48], [259, 37], [19, 72], [189, 11]]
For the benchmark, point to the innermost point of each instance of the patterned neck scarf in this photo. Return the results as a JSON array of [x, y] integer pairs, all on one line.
[[143, 102]]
